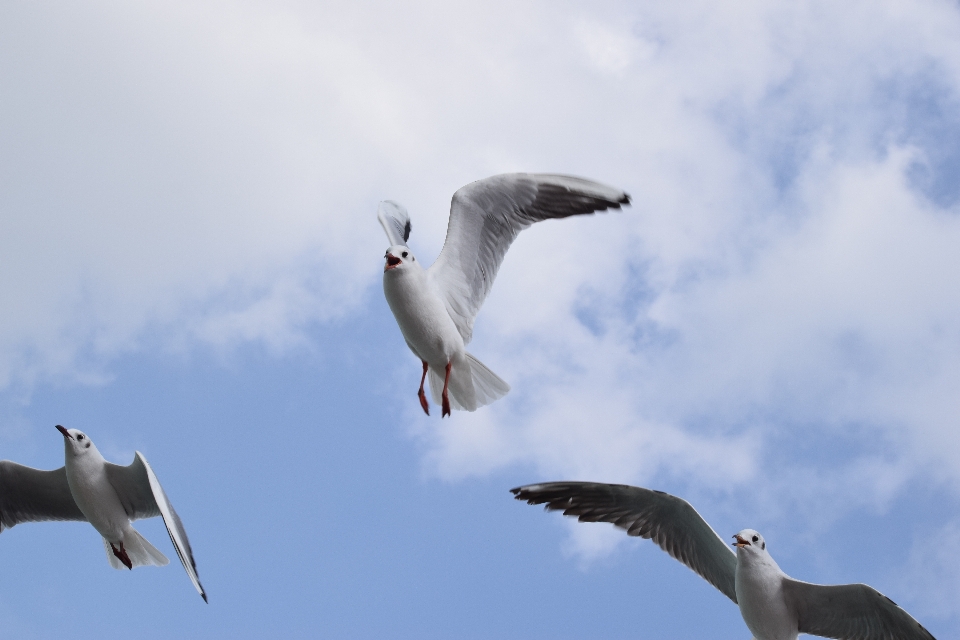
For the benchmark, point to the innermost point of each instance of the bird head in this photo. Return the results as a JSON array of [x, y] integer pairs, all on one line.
[[749, 541], [75, 441], [398, 257]]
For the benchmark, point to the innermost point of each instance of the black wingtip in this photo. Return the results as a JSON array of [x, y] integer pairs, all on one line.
[[406, 231], [625, 199], [204, 596], [524, 494]]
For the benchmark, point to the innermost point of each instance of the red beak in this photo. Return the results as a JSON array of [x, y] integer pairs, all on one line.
[[392, 261], [741, 542], [66, 434]]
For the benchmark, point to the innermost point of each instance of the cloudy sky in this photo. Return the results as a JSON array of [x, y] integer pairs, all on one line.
[[190, 266]]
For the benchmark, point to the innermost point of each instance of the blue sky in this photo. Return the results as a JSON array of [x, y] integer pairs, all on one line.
[[190, 267]]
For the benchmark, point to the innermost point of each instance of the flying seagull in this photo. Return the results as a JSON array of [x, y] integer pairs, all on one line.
[[774, 605], [108, 496], [436, 307]]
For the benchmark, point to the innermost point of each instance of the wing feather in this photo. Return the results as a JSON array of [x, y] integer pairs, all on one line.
[[32, 495], [143, 497], [133, 489], [485, 218], [850, 612], [669, 521], [395, 221]]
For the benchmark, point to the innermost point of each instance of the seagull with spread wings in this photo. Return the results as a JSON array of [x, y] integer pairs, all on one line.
[[108, 496], [774, 605], [436, 307]]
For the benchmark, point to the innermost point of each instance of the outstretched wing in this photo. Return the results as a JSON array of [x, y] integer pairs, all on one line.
[[32, 495], [667, 520], [143, 497], [395, 221], [486, 216], [850, 612]]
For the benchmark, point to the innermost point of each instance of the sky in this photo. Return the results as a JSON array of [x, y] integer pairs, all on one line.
[[190, 267]]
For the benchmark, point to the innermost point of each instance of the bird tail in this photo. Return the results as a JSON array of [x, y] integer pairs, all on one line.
[[488, 385], [138, 549], [467, 393]]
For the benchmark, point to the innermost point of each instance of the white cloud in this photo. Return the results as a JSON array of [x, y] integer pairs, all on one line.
[[179, 182]]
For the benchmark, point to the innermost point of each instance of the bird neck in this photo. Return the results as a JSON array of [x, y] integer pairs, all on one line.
[[758, 561], [89, 459]]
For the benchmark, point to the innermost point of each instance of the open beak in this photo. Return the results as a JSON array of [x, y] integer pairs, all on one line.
[[66, 434], [741, 542], [392, 261]]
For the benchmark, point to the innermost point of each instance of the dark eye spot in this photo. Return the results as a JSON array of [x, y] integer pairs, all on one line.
[[756, 539], [80, 437], [763, 546], [404, 254]]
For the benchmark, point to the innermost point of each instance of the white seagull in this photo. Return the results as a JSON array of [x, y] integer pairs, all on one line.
[[774, 605], [108, 496], [436, 307]]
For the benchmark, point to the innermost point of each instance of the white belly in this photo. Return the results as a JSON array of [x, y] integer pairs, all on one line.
[[422, 317], [764, 609], [98, 501]]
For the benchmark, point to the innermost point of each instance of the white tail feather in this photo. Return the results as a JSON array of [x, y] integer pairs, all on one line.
[[487, 386], [138, 549]]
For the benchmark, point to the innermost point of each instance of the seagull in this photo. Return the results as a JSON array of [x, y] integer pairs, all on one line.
[[108, 496], [774, 605], [436, 307]]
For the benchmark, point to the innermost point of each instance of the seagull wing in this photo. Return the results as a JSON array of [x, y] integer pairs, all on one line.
[[143, 497], [850, 612], [395, 221], [486, 216], [667, 520], [32, 495], [133, 488]]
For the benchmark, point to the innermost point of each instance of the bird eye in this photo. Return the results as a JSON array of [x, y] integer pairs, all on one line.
[[404, 254], [755, 538], [80, 436]]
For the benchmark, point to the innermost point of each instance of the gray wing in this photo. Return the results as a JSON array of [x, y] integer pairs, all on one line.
[[133, 489], [395, 221], [486, 216], [667, 520], [32, 495], [143, 497], [850, 612]]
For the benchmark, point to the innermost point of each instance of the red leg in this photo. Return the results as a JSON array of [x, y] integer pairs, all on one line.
[[122, 555], [446, 399], [421, 394]]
